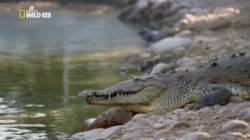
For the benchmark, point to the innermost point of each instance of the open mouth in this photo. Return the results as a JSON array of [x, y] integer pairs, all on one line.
[[111, 95]]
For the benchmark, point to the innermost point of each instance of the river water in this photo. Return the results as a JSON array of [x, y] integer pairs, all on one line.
[[44, 63]]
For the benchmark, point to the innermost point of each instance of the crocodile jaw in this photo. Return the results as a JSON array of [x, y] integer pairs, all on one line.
[[134, 91]]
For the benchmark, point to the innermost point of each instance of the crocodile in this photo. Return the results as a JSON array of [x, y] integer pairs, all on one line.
[[212, 83]]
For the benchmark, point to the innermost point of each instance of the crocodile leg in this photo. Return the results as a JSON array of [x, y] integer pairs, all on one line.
[[111, 117], [215, 94]]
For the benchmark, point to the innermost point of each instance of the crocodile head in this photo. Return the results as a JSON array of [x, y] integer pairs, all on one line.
[[138, 91]]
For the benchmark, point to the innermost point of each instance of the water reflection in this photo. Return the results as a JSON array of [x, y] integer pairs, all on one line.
[[45, 63], [65, 78]]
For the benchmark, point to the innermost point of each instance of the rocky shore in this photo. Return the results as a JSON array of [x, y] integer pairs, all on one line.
[[230, 122], [180, 35]]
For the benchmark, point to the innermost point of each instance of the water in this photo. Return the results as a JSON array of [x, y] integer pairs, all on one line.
[[44, 63]]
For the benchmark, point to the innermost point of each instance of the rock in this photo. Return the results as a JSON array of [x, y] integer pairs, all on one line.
[[190, 115], [158, 126], [139, 117], [87, 123], [179, 125], [206, 110], [178, 111], [205, 39], [184, 33], [137, 58], [236, 99], [170, 43], [99, 133], [156, 119], [245, 114], [115, 130], [129, 124], [240, 107], [130, 136], [196, 136], [141, 123], [169, 122], [227, 136], [92, 134], [221, 113], [161, 134], [186, 61], [160, 68], [232, 124]]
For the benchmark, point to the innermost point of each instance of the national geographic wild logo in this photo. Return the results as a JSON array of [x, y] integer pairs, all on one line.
[[32, 13]]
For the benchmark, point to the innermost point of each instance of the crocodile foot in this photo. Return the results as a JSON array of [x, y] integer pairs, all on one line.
[[217, 95], [111, 117]]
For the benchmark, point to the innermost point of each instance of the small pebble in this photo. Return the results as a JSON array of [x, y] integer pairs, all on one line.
[[169, 122], [221, 113], [245, 114], [139, 116], [190, 115], [141, 123], [158, 126], [236, 99], [179, 125], [161, 134], [196, 136], [227, 136], [232, 124], [130, 136]]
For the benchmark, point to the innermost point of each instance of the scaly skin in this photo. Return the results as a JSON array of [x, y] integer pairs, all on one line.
[[213, 83]]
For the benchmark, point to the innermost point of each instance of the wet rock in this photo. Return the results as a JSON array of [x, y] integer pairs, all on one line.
[[232, 124], [158, 126], [245, 114], [179, 125], [170, 43], [196, 136], [150, 35], [240, 107], [190, 115]]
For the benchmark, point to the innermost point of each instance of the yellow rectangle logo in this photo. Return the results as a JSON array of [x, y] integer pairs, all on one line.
[[22, 13]]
